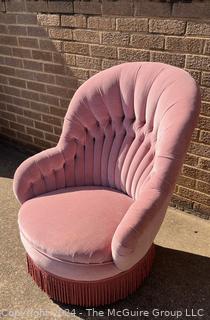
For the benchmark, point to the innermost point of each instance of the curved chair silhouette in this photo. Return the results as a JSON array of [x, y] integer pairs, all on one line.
[[92, 206]]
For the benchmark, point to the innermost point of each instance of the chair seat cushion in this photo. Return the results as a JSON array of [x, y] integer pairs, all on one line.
[[74, 224]]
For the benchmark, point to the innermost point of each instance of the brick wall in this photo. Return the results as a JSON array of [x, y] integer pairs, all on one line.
[[48, 48]]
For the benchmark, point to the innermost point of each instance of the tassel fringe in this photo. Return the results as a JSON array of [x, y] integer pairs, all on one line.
[[93, 293]]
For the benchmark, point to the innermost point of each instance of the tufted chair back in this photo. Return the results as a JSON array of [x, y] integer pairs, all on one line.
[[128, 123]]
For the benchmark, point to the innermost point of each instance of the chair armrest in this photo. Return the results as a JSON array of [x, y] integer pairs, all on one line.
[[138, 228], [41, 173]]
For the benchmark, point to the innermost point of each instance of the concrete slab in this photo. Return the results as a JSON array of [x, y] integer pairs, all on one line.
[[179, 281]]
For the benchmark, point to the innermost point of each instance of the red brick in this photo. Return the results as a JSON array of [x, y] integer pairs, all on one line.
[[48, 19], [119, 8], [201, 210], [5, 50], [203, 187], [61, 6], [28, 42], [204, 164], [32, 115], [8, 40], [59, 91], [60, 33], [41, 55], [3, 79], [13, 62], [133, 54], [8, 18], [78, 21], [103, 51], [20, 52], [204, 122], [7, 70], [51, 137], [101, 23], [198, 28], [17, 30], [24, 137], [15, 109], [37, 32], [12, 91], [88, 62], [147, 41], [199, 149], [15, 6], [37, 106], [36, 6], [44, 77], [51, 45], [36, 86], [25, 74], [17, 83], [151, 9], [188, 45], [86, 36], [26, 121], [69, 59], [21, 102], [115, 38], [194, 195], [87, 7], [33, 65], [67, 82], [194, 9], [54, 68], [78, 73], [205, 94], [7, 115], [58, 112], [26, 19], [132, 24], [35, 132], [49, 99], [43, 126], [205, 137], [205, 80], [3, 28], [17, 126], [177, 60], [205, 109], [198, 62], [167, 26], [52, 120], [42, 143], [75, 47], [28, 94]]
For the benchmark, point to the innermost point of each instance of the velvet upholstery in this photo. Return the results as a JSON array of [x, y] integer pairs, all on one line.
[[127, 128]]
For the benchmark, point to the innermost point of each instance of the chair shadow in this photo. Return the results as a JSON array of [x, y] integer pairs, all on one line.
[[178, 281]]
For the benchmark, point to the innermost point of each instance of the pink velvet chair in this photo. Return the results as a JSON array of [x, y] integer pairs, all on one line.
[[92, 206]]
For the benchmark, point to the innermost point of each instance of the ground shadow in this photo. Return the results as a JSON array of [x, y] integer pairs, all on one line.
[[178, 281], [10, 158]]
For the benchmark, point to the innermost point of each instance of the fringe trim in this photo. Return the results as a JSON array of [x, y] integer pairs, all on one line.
[[93, 293]]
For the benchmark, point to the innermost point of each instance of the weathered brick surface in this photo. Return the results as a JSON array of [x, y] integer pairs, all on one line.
[[147, 41], [185, 45], [167, 26], [48, 19], [101, 23], [49, 48], [73, 21], [132, 24]]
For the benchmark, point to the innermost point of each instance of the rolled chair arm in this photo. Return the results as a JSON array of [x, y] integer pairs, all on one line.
[[138, 228], [41, 173]]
